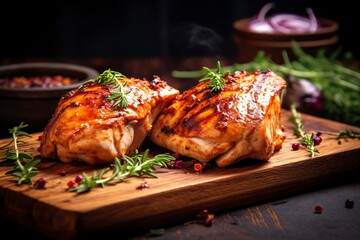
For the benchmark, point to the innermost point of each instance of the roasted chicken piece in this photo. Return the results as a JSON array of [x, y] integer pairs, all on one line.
[[88, 126], [243, 120]]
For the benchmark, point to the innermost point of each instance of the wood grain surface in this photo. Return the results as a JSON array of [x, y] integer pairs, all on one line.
[[176, 194]]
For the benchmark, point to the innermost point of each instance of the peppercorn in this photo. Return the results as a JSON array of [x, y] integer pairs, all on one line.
[[72, 184], [79, 178], [317, 140], [295, 146], [198, 167], [142, 186], [201, 215], [349, 203], [209, 220], [205, 217], [62, 173], [318, 209], [40, 183], [179, 164]]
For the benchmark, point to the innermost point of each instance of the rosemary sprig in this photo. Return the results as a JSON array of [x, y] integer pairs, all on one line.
[[217, 81], [24, 164], [306, 141], [348, 133], [112, 78], [136, 165], [344, 134]]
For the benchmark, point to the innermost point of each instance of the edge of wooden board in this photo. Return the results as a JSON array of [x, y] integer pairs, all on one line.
[[172, 198]]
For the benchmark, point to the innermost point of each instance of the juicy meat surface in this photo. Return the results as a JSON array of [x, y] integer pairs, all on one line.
[[241, 121], [86, 127]]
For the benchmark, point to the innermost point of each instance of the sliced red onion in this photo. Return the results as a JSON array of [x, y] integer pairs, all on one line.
[[261, 27], [289, 23], [264, 10], [313, 21], [283, 22]]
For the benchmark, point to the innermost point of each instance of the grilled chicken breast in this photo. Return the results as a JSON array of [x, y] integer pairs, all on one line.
[[243, 120], [87, 127]]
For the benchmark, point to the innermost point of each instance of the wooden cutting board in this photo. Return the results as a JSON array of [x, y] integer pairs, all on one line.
[[176, 195]]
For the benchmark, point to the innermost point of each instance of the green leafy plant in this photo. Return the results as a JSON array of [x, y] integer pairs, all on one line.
[[112, 78], [216, 77], [339, 84], [24, 164], [136, 165]]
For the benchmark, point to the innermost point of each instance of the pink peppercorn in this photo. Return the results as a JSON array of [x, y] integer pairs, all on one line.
[[317, 140], [205, 217], [79, 178], [318, 209], [40, 183], [295, 146], [142, 186], [72, 184], [180, 164]]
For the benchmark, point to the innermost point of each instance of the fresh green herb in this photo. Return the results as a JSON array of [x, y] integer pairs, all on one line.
[[24, 164], [348, 134], [137, 165], [345, 134], [296, 119], [112, 78], [306, 141], [339, 85], [216, 77]]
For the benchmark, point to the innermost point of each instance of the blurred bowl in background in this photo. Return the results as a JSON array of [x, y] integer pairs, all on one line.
[[248, 43], [35, 105]]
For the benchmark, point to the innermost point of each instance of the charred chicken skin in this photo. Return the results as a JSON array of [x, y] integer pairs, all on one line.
[[243, 120], [88, 127]]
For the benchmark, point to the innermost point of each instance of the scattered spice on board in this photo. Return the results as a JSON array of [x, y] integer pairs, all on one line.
[[40, 183], [144, 185], [203, 217], [318, 209]]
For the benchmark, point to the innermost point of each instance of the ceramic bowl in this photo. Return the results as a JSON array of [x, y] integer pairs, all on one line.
[[249, 43], [35, 105]]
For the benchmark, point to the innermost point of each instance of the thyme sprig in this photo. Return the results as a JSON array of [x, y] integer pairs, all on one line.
[[216, 77], [136, 165], [112, 78], [306, 141], [24, 164]]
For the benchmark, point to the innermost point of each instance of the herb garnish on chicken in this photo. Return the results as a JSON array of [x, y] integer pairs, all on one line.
[[112, 78], [217, 81]]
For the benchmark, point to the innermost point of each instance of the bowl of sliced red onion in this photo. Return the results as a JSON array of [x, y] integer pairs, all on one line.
[[275, 33], [30, 92]]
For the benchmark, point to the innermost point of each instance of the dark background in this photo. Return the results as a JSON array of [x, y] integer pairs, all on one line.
[[141, 28]]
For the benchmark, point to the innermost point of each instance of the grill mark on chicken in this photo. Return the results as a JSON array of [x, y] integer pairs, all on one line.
[[86, 127], [167, 129], [204, 112], [241, 121]]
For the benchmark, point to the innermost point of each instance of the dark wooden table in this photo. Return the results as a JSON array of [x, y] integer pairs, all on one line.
[[288, 217]]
